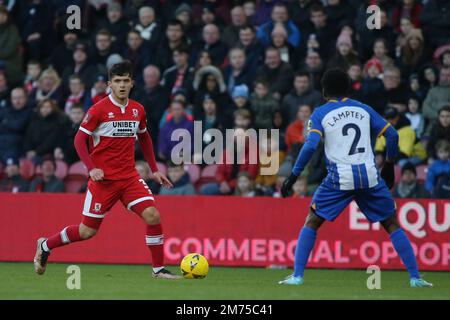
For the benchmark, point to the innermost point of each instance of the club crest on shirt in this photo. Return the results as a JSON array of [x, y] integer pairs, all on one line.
[[97, 207], [110, 115], [135, 113]]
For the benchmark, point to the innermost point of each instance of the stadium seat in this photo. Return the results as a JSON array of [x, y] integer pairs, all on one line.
[[73, 183], [162, 168], [78, 168], [194, 172], [27, 169], [422, 171]]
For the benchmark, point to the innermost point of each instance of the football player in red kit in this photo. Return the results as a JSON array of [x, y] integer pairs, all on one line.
[[105, 143]]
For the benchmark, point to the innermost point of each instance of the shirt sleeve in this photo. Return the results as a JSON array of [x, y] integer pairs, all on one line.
[[142, 122], [91, 121], [315, 124]]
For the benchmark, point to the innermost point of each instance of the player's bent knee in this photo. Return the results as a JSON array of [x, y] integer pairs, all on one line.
[[151, 216], [313, 221], [86, 232]]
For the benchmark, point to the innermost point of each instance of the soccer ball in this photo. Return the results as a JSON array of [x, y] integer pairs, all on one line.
[[194, 266]]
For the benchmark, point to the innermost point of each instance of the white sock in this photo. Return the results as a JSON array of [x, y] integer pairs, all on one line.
[[44, 246], [156, 270]]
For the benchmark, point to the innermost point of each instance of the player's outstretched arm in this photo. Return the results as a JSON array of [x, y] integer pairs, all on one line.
[[388, 172], [146, 143], [80, 143], [307, 151]]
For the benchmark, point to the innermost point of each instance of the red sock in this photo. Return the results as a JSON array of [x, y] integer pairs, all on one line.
[[67, 235], [155, 242]]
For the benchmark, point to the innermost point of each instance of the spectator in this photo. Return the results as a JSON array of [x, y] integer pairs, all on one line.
[[409, 187], [440, 130], [48, 183], [103, 47], [34, 69], [435, 19], [167, 140], [406, 136], [245, 185], [147, 26], [249, 7], [372, 85], [279, 40], [44, 130], [4, 91], [428, 78], [381, 52], [61, 55], [180, 179], [279, 15], [344, 56], [184, 14], [13, 182], [415, 116], [49, 87], [440, 167], [174, 38], [413, 53], [203, 60], [10, 54], [13, 123], [180, 75], [314, 66], [138, 54], [437, 97], [238, 72], [67, 148], [241, 98], [36, 28], [297, 131], [230, 34], [355, 73], [116, 24], [263, 105], [405, 28], [153, 97], [278, 73], [300, 13], [339, 11], [407, 8], [81, 67], [78, 95], [393, 90], [302, 93], [211, 42], [254, 50], [98, 91], [209, 81], [322, 32], [232, 165]]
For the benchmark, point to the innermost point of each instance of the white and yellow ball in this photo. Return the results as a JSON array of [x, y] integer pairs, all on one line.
[[194, 266]]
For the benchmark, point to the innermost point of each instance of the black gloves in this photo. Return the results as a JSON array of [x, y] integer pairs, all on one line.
[[388, 174], [287, 185]]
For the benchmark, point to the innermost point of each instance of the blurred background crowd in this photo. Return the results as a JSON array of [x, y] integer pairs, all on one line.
[[232, 65]]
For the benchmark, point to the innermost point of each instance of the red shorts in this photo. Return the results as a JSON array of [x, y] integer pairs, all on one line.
[[134, 194]]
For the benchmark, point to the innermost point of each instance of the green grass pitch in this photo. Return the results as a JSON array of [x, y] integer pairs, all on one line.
[[18, 281]]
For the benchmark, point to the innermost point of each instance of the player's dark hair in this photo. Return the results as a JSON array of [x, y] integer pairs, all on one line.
[[335, 83], [124, 68]]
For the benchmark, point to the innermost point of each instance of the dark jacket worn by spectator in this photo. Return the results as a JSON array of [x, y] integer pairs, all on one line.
[[280, 79], [10, 53], [54, 185], [13, 124], [293, 101]]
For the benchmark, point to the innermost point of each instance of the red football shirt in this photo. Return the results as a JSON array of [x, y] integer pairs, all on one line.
[[114, 129]]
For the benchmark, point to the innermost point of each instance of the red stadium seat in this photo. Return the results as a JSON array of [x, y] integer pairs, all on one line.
[[73, 184], [162, 168], [210, 171], [78, 168], [422, 171], [194, 172], [27, 169]]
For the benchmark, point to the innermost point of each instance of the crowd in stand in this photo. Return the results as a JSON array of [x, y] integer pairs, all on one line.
[[231, 65]]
